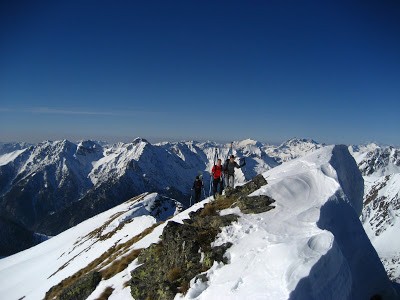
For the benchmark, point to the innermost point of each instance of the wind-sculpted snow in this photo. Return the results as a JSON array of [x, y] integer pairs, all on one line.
[[311, 246]]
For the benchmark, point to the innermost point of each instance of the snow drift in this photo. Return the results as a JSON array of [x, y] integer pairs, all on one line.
[[311, 246]]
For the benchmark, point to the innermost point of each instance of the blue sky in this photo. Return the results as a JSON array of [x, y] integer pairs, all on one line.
[[218, 70]]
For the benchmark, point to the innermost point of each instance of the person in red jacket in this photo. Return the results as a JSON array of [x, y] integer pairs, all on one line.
[[217, 178]]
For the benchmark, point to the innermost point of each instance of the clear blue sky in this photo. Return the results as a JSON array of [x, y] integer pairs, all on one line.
[[218, 70]]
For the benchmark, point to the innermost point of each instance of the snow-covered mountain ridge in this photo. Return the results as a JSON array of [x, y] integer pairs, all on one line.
[[310, 246], [52, 186]]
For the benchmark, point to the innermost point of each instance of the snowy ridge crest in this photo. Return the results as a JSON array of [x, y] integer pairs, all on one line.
[[302, 249]]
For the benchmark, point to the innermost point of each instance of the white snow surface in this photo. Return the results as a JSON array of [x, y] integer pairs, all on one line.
[[9, 157]]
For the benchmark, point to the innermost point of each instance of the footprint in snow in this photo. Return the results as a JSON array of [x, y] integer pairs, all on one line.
[[237, 285]]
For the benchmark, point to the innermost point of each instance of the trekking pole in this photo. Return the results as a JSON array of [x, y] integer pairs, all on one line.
[[190, 201], [234, 170], [211, 175]]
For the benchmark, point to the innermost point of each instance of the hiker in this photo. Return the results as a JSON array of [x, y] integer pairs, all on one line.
[[217, 178], [229, 170], [197, 186]]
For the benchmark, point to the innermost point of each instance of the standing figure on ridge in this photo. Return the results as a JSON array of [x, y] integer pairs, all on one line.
[[229, 170], [197, 186], [217, 178]]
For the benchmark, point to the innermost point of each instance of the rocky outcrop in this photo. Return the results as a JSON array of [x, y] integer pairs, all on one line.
[[81, 289], [248, 188], [255, 205], [185, 250], [168, 267]]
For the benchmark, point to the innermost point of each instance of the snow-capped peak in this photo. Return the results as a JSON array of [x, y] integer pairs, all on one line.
[[297, 142], [248, 142], [292, 149], [139, 140]]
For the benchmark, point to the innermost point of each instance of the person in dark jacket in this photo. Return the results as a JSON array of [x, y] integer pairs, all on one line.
[[217, 178], [229, 171], [197, 186]]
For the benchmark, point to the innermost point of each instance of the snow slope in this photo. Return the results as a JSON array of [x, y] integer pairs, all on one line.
[[8, 157], [31, 273], [381, 220], [381, 213], [11, 147]]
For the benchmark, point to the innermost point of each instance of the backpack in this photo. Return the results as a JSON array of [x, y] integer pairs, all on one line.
[[198, 184], [225, 166]]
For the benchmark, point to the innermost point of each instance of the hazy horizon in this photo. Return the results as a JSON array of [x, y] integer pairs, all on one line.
[[154, 140]]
